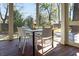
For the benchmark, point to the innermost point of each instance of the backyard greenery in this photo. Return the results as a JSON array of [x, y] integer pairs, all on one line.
[[47, 13], [18, 19], [29, 22], [47, 7]]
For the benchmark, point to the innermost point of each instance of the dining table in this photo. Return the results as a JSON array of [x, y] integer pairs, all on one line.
[[33, 36]]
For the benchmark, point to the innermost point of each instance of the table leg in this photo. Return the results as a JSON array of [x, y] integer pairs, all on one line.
[[52, 37], [33, 44]]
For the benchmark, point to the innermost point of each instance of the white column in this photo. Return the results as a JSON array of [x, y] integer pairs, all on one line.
[[64, 23], [10, 20]]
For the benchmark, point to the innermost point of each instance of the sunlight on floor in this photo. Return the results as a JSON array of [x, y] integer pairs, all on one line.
[[77, 53], [48, 48], [3, 37], [15, 36], [45, 49], [6, 37], [57, 30], [76, 38]]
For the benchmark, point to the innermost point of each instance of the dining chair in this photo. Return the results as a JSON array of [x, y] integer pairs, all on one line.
[[46, 35], [23, 37]]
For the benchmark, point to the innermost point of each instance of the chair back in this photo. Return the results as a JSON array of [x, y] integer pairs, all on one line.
[[19, 31], [47, 32]]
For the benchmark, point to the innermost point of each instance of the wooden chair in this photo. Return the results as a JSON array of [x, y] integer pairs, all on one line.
[[46, 35]]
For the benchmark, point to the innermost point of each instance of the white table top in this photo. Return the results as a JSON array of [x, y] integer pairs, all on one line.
[[32, 30]]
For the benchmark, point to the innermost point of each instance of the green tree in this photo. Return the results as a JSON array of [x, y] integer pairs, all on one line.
[[18, 19], [48, 8]]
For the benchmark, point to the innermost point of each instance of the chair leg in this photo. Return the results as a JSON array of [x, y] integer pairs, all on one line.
[[36, 43], [42, 45], [19, 45], [36, 46], [24, 46], [19, 42]]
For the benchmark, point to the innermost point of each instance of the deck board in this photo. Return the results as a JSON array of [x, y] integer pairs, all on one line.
[[10, 48]]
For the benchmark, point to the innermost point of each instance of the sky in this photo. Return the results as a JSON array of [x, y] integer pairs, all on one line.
[[28, 9]]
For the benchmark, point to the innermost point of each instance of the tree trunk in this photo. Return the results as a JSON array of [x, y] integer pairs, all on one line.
[[50, 13], [37, 14], [58, 12], [49, 18], [3, 26], [3, 21]]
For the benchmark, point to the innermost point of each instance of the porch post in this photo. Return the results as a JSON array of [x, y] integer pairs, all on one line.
[[64, 23], [10, 20]]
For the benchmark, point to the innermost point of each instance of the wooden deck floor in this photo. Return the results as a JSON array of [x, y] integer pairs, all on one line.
[[10, 48]]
